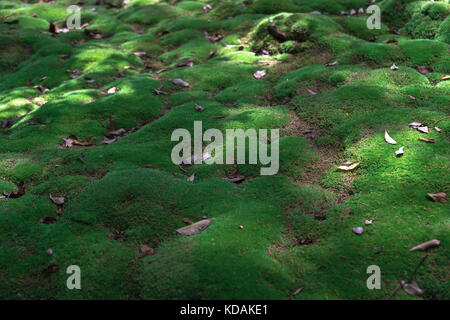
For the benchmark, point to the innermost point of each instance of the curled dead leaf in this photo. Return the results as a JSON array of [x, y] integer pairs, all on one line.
[[426, 140], [145, 251], [388, 138], [331, 64], [438, 197], [411, 288], [399, 152], [424, 246], [199, 108], [57, 200], [195, 227], [180, 82], [348, 166], [191, 178], [260, 74]]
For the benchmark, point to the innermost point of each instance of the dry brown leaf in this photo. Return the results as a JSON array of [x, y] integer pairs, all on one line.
[[311, 92], [388, 138], [424, 69], [411, 288], [424, 246], [195, 227], [426, 140], [57, 200], [260, 74], [347, 166], [145, 251], [296, 292], [331, 64], [438, 197], [446, 77], [186, 63], [187, 221]]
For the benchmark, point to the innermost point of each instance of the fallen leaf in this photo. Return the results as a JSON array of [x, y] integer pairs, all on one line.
[[207, 8], [424, 246], [187, 221], [89, 80], [212, 53], [411, 288], [388, 138], [47, 219], [260, 74], [423, 129], [399, 152], [235, 179], [195, 227], [180, 82], [147, 166], [112, 90], [437, 129], [241, 227], [424, 69], [394, 67], [49, 251], [426, 140], [57, 200], [358, 230], [446, 77], [412, 97], [158, 90], [145, 251], [198, 108], [415, 125], [213, 38], [311, 92], [368, 222], [191, 178], [347, 166], [438, 197], [109, 141], [186, 63], [331, 64], [296, 292]]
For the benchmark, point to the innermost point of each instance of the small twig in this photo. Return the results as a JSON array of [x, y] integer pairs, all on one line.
[[411, 276], [441, 120]]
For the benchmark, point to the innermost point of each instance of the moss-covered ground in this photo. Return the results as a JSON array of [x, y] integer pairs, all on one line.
[[297, 224]]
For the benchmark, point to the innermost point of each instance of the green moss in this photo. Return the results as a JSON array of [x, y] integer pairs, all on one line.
[[296, 224]]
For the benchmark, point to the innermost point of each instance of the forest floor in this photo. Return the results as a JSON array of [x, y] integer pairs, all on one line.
[[64, 94]]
